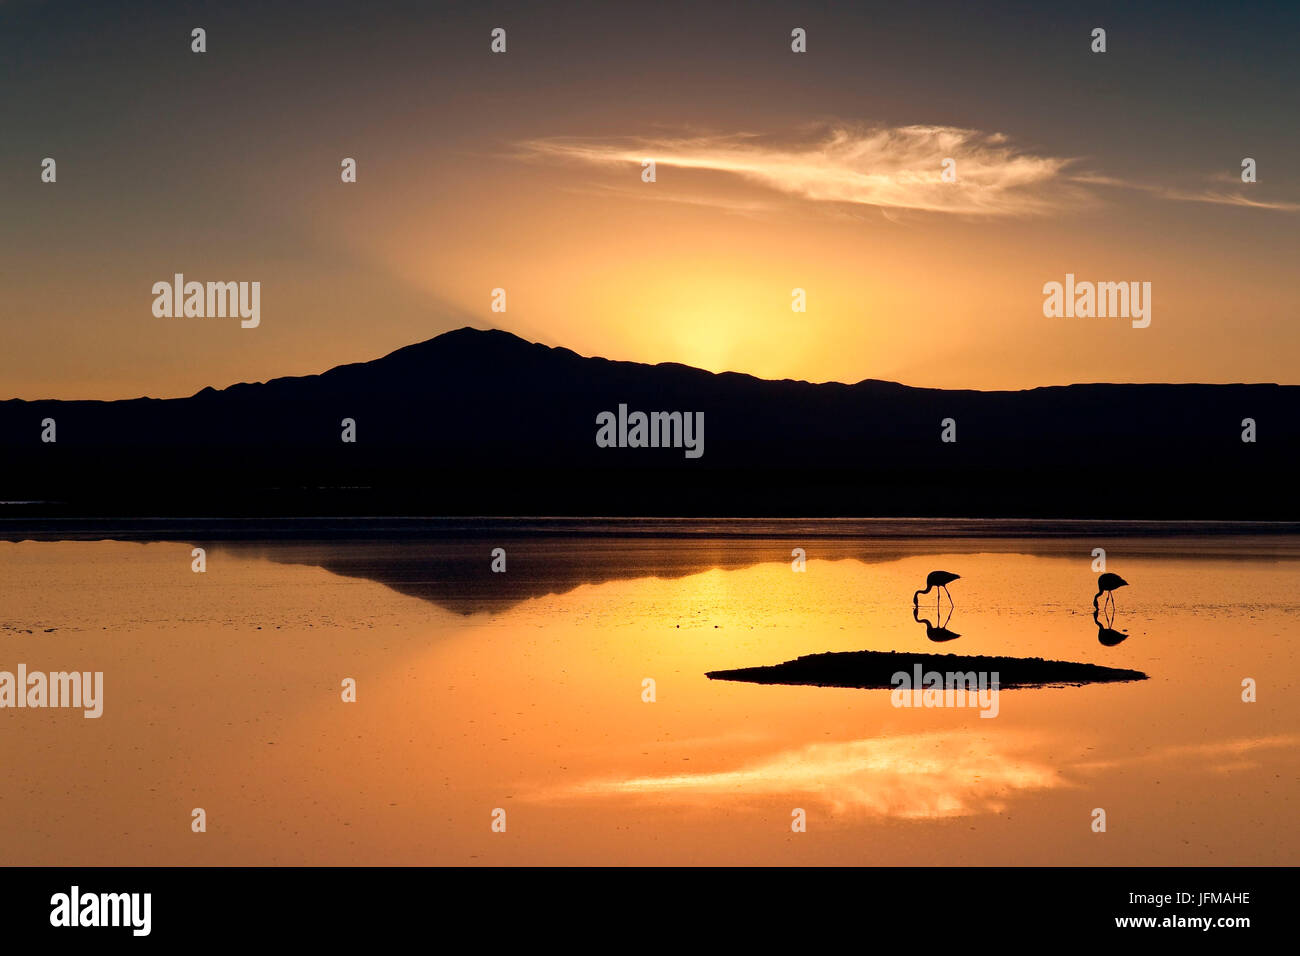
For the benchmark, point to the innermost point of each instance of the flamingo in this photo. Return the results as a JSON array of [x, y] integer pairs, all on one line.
[[936, 579], [940, 633], [1107, 635], [1106, 584]]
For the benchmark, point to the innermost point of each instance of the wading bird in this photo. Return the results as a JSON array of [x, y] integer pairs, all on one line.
[[940, 633], [1107, 635], [936, 579], [1106, 584]]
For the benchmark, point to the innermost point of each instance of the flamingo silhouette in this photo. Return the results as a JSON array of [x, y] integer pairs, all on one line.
[[940, 633], [936, 579], [1106, 584], [1106, 635]]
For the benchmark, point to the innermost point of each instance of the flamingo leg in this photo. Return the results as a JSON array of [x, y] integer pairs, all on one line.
[[946, 591]]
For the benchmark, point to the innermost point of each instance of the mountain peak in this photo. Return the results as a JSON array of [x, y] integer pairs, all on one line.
[[466, 339]]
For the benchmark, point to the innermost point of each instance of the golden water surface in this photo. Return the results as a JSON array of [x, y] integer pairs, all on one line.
[[523, 692]]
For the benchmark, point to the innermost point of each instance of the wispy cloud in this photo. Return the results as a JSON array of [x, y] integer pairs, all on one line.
[[898, 168], [1230, 199], [893, 169], [1220, 196]]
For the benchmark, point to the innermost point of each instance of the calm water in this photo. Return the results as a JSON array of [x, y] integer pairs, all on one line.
[[523, 691]]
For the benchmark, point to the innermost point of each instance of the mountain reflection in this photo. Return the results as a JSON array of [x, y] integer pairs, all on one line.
[[456, 574]]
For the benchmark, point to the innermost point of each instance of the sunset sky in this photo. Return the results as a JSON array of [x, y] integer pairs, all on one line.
[[775, 170]]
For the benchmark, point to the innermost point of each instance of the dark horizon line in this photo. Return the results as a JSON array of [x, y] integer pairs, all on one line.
[[462, 330], [221, 527]]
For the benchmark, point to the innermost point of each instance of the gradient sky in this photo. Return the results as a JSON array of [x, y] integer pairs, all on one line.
[[775, 170]]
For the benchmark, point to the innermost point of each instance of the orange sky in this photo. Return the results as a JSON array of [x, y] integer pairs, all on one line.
[[523, 172]]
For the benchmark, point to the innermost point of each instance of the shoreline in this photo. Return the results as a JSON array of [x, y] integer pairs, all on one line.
[[30, 527]]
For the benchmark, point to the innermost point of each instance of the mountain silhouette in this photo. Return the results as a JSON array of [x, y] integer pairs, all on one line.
[[484, 423]]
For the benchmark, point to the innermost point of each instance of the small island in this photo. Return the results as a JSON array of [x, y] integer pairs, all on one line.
[[870, 670]]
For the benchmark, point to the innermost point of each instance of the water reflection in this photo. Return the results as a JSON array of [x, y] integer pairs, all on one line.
[[456, 574], [234, 677], [1106, 634], [909, 777], [940, 633]]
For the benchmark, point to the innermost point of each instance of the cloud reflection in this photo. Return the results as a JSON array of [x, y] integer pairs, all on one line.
[[914, 776]]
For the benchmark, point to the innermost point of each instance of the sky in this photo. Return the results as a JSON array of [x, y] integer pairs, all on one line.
[[774, 171]]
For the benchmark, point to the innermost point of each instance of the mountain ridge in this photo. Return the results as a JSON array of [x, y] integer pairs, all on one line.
[[470, 333], [474, 336], [484, 422]]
